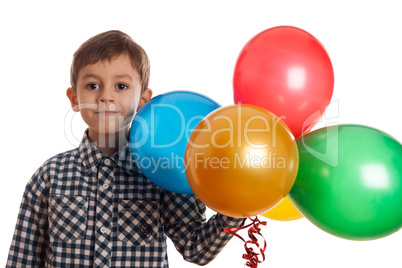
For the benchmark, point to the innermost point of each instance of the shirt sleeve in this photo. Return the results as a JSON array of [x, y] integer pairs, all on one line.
[[30, 240], [199, 241]]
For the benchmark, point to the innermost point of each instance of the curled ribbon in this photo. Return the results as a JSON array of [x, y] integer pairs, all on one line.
[[254, 228]]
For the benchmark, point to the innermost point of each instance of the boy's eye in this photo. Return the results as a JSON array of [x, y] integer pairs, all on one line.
[[121, 86], [93, 86]]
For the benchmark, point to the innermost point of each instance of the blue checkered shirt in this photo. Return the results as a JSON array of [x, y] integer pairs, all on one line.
[[84, 209]]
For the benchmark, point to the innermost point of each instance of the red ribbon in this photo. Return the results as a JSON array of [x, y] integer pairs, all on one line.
[[251, 256]]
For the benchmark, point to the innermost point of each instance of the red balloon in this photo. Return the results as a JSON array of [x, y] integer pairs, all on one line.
[[287, 71]]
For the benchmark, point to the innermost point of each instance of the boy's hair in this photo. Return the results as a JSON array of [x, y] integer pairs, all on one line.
[[106, 46]]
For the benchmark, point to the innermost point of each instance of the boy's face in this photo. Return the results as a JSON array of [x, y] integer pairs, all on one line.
[[108, 94]]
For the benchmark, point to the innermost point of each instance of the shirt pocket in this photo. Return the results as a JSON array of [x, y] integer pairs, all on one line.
[[67, 217], [138, 222]]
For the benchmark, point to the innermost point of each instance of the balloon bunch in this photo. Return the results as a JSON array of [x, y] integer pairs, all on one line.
[[244, 159]]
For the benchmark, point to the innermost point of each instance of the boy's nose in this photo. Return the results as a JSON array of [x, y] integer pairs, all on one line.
[[106, 95]]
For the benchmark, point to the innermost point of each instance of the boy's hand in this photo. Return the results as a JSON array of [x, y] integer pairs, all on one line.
[[229, 222]]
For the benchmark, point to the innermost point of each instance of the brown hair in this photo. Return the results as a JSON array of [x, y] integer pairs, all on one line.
[[106, 46]]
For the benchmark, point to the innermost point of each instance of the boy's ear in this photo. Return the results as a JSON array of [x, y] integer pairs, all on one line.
[[145, 96], [72, 96]]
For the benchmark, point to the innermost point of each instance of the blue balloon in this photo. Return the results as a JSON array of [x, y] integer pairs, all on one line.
[[159, 135]]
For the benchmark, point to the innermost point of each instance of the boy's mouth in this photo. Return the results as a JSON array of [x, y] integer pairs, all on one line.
[[106, 113]]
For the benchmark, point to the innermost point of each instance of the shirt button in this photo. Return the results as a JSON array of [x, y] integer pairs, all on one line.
[[103, 230], [145, 231], [107, 161], [106, 186]]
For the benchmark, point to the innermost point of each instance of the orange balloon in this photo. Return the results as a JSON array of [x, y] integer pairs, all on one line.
[[241, 160], [284, 211]]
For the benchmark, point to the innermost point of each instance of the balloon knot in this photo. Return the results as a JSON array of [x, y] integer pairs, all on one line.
[[253, 229]]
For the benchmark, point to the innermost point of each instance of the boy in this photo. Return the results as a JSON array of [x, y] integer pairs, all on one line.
[[91, 206]]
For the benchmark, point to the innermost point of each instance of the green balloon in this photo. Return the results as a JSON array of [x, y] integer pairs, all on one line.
[[349, 182]]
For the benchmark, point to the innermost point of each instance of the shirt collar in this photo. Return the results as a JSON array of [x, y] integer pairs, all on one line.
[[91, 156]]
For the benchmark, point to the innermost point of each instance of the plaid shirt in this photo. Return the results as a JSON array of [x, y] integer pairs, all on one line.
[[84, 209]]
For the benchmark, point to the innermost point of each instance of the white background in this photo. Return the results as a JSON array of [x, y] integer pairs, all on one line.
[[194, 46]]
